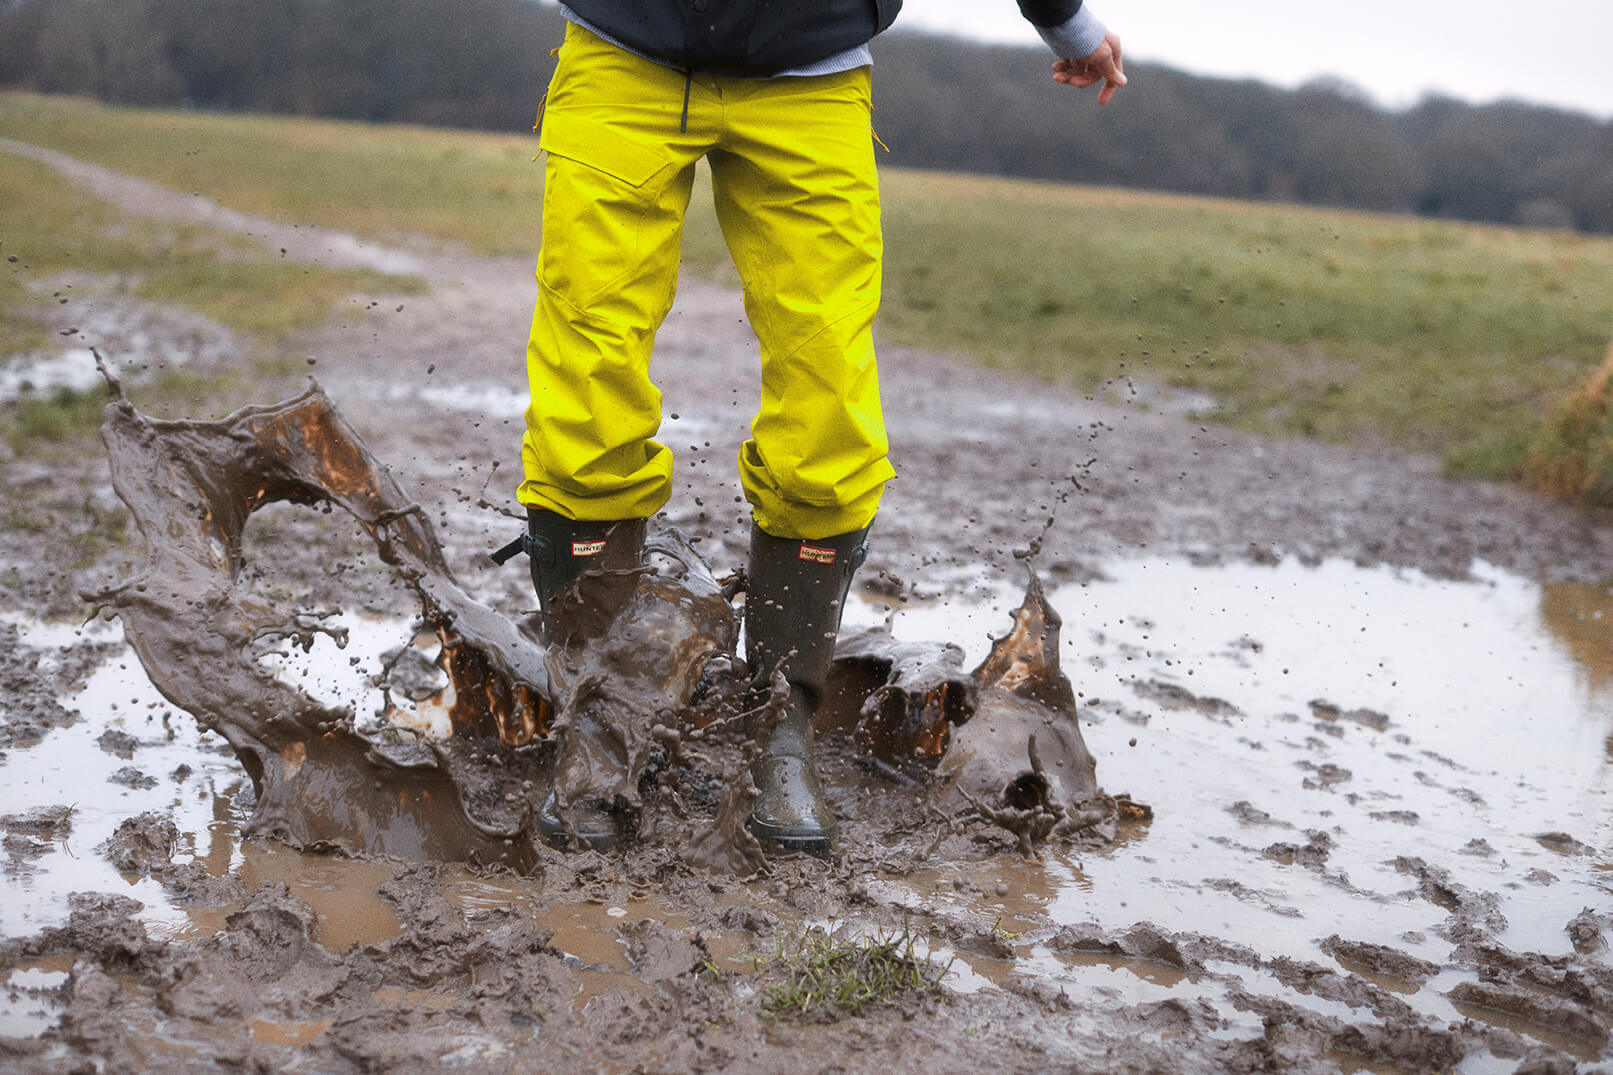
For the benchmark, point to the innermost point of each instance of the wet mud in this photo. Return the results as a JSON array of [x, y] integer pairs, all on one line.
[[583, 720], [1370, 711], [320, 780]]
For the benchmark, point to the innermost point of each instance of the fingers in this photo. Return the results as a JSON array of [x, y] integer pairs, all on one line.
[[1104, 65], [1075, 73], [1078, 81], [1107, 60]]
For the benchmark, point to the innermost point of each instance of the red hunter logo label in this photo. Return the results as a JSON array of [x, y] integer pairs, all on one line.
[[587, 548], [816, 554]]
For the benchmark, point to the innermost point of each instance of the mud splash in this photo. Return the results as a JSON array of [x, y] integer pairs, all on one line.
[[321, 778], [592, 718], [1006, 735]]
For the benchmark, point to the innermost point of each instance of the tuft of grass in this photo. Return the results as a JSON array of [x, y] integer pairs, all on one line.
[[821, 973], [1000, 932], [1572, 456]]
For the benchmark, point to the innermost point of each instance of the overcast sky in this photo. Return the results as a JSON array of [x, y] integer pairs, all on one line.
[[1551, 51]]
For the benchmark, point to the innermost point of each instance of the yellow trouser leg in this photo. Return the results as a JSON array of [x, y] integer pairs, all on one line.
[[616, 185], [798, 201]]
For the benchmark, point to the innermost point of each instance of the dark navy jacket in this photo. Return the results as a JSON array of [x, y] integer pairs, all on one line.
[[759, 37]]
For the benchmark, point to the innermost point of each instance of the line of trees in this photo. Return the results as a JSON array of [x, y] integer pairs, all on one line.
[[471, 63], [946, 104], [939, 103]]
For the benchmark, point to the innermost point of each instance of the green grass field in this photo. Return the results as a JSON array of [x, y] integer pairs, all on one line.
[[1417, 334], [1420, 335]]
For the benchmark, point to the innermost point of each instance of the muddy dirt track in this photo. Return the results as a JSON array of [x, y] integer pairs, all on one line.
[[1370, 708]]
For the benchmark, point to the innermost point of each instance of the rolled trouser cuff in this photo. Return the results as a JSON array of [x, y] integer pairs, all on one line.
[[779, 514]]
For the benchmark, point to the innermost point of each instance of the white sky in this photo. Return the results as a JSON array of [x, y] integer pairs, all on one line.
[[1557, 52]]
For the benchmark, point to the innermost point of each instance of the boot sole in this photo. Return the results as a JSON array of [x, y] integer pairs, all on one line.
[[819, 845], [553, 833], [560, 839]]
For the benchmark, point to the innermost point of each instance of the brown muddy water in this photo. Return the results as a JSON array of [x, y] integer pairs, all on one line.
[[1358, 768]]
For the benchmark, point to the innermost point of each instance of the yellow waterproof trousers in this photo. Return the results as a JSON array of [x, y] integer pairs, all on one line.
[[793, 177]]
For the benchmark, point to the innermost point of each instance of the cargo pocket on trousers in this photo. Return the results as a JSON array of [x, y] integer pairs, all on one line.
[[598, 192], [633, 165]]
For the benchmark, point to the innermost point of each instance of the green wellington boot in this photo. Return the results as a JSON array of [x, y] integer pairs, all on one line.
[[792, 615], [561, 551]]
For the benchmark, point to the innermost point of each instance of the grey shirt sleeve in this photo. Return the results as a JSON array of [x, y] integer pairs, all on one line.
[[1076, 38]]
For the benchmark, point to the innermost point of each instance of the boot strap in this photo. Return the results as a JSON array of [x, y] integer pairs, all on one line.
[[540, 549], [858, 555]]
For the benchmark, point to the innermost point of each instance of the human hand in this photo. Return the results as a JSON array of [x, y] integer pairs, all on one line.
[[1102, 66]]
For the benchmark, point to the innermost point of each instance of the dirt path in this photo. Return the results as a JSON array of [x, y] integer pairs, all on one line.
[[1286, 916]]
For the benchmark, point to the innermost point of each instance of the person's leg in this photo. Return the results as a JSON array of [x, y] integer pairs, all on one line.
[[792, 615], [798, 201], [616, 184]]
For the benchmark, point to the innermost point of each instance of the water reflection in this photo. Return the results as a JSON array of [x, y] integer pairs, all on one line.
[[1581, 616]]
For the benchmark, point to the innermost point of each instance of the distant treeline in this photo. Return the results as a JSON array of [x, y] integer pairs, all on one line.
[[939, 103]]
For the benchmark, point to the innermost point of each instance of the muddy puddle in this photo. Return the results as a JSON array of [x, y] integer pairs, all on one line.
[[1403, 711], [1365, 784]]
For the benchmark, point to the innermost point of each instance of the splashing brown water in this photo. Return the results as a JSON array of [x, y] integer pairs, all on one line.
[[190, 487], [587, 718]]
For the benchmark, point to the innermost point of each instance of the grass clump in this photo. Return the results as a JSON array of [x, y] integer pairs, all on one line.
[[1573, 454], [822, 973]]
